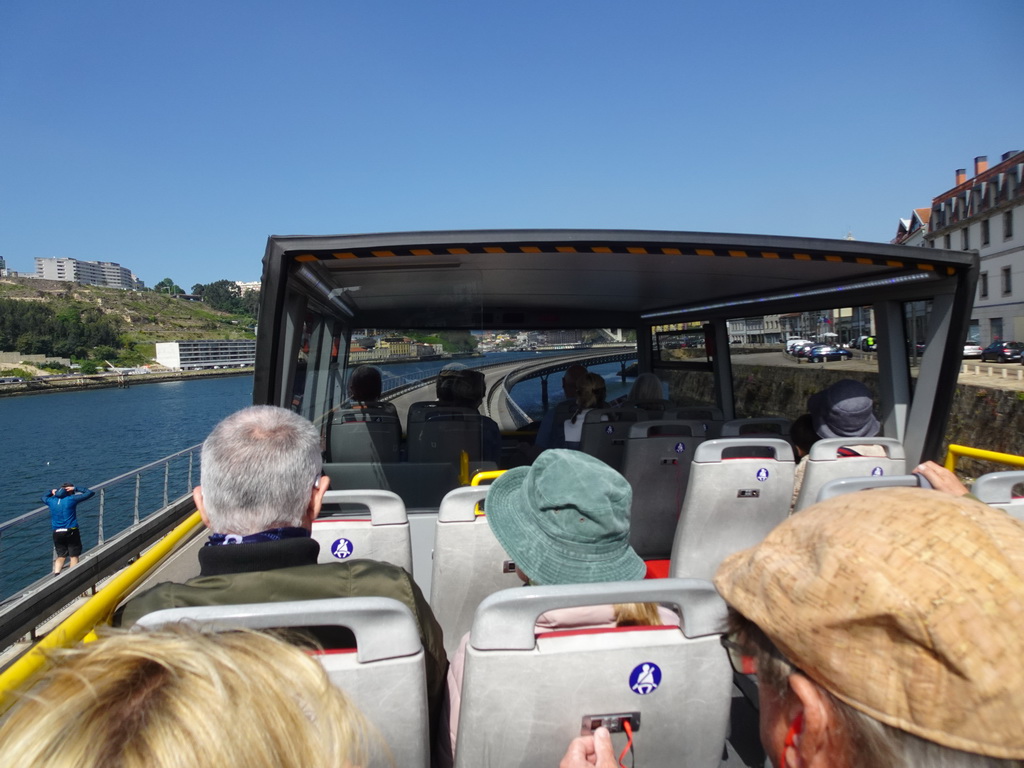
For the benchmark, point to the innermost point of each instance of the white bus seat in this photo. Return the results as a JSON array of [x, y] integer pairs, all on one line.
[[758, 425], [421, 486], [842, 485], [365, 434], [996, 488], [731, 503], [525, 694], [825, 463], [657, 465], [605, 431], [384, 677], [469, 563], [384, 536]]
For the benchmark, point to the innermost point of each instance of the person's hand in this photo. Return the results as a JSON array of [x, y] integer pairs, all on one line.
[[941, 479], [585, 751]]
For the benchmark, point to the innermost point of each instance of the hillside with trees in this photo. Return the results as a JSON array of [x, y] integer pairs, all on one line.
[[91, 322]]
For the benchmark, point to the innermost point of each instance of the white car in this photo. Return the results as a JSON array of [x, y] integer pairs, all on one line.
[[972, 350]]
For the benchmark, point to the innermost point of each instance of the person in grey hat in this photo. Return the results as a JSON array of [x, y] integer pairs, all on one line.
[[565, 520], [845, 409]]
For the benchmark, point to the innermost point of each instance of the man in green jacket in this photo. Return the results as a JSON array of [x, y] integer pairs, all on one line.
[[261, 490]]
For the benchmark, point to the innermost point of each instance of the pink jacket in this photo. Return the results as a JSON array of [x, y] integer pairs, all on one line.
[[581, 617]]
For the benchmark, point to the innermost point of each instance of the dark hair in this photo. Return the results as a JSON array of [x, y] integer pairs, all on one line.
[[364, 384], [462, 387], [802, 434]]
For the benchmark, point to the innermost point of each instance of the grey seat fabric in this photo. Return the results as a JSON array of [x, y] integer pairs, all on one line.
[[365, 434], [384, 536], [657, 464], [469, 563], [739, 490], [524, 695], [439, 433], [385, 676], [704, 412], [758, 425], [605, 431], [419, 485], [996, 488], [825, 463]]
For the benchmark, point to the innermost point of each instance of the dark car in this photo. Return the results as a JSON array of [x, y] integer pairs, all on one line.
[[1002, 352], [825, 352]]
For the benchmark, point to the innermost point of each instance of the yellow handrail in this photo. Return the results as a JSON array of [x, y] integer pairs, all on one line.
[[97, 610], [479, 478], [956, 451], [490, 474]]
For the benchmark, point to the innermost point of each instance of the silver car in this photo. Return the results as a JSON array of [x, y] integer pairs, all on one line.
[[971, 349]]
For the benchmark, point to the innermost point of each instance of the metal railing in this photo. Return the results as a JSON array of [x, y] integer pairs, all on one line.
[[119, 504], [954, 452]]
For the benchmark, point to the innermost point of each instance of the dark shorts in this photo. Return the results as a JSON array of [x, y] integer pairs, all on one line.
[[67, 542]]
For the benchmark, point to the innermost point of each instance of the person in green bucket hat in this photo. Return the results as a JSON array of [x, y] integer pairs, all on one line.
[[565, 520]]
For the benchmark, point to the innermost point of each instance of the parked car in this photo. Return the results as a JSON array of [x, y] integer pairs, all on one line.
[[800, 351], [825, 352], [793, 344], [972, 349], [1002, 352]]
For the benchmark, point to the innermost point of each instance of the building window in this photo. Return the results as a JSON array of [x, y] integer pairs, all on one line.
[[1007, 278], [946, 243], [1007, 225], [984, 232], [965, 238], [995, 326], [983, 285]]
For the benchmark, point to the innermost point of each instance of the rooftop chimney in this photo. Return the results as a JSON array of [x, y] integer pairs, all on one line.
[[961, 176], [1011, 153], [980, 164]]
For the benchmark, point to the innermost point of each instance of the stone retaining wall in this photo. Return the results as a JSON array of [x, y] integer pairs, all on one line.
[[982, 416]]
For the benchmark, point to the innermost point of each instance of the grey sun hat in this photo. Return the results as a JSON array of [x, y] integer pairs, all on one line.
[[565, 520], [844, 409]]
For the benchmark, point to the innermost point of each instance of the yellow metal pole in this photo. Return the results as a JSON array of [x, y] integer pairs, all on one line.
[[955, 451], [97, 610]]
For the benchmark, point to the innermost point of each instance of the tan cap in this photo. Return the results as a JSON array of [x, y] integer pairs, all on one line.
[[905, 603]]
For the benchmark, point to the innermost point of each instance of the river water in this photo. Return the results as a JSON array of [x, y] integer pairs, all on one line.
[[91, 436]]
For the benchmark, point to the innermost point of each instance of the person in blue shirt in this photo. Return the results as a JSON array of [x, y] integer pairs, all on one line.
[[67, 541]]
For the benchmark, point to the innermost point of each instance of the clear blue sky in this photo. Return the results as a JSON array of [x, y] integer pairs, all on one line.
[[173, 137]]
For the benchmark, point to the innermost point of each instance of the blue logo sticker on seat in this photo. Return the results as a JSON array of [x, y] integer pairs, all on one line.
[[680, 448], [877, 471], [342, 549], [645, 678], [609, 430], [762, 474]]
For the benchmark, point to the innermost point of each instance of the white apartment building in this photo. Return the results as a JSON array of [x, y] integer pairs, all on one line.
[[206, 353], [105, 273], [986, 213]]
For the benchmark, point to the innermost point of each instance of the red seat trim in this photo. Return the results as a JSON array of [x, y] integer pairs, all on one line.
[[657, 569]]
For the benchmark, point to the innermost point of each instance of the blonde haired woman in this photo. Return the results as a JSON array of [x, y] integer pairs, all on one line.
[[178, 697], [590, 393]]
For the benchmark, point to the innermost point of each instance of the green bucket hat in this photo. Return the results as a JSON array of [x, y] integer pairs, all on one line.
[[565, 520]]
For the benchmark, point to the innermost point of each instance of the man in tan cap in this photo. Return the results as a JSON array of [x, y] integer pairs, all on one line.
[[886, 629]]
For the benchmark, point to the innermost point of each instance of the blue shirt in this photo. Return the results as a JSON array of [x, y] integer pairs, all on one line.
[[62, 506]]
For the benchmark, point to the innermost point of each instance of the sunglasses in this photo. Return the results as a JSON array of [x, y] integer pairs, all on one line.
[[742, 662]]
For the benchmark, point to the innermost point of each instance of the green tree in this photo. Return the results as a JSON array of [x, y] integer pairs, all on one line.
[[168, 286], [88, 367]]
